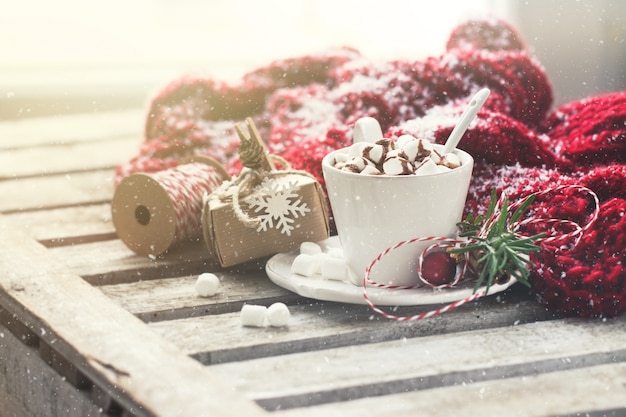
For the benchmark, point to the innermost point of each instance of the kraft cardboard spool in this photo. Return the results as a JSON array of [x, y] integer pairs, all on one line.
[[143, 215], [152, 212]]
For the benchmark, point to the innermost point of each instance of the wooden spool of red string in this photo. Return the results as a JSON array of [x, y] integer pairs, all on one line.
[[152, 212]]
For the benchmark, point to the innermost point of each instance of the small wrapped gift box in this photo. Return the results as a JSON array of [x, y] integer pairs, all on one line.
[[263, 211], [288, 210]]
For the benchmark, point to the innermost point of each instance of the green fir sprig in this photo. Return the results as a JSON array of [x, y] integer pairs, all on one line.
[[493, 245]]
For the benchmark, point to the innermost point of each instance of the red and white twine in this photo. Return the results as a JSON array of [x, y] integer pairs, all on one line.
[[445, 241], [578, 231], [186, 186]]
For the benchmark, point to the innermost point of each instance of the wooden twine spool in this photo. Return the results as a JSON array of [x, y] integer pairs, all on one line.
[[152, 212]]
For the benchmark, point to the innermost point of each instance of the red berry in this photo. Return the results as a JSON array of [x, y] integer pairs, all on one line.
[[438, 268]]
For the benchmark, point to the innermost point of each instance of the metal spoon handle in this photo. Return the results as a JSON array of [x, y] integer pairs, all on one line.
[[466, 118]]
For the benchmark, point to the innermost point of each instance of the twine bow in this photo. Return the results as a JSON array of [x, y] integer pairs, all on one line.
[[258, 165]]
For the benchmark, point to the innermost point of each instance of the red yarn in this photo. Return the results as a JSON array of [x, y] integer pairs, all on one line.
[[296, 114], [607, 181], [591, 130], [493, 34], [192, 99], [292, 72], [588, 280], [217, 140], [306, 107], [585, 280], [527, 91], [514, 181]]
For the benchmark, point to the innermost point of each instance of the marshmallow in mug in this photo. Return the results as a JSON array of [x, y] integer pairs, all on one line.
[[406, 155]]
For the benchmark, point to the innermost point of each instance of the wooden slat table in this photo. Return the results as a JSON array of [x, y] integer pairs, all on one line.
[[88, 328]]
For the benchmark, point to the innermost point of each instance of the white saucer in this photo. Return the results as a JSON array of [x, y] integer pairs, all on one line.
[[278, 269]]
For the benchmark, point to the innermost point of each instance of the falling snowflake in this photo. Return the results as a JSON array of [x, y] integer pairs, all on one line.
[[280, 205]]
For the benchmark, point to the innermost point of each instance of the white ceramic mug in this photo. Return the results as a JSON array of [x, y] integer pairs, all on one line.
[[375, 212]]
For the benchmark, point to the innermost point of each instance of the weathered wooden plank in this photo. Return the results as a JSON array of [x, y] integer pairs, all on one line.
[[108, 345], [175, 298], [64, 367], [111, 262], [68, 225], [67, 158], [594, 391], [321, 325], [66, 129], [428, 362], [105, 402], [19, 329], [56, 191]]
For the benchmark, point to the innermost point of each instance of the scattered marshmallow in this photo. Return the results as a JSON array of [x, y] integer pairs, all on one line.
[[278, 315], [335, 252], [308, 265], [330, 264], [207, 284], [310, 248], [334, 269], [318, 260], [304, 264], [253, 315]]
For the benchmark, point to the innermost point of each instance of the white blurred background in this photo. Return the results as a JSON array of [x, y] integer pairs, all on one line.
[[66, 56]]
